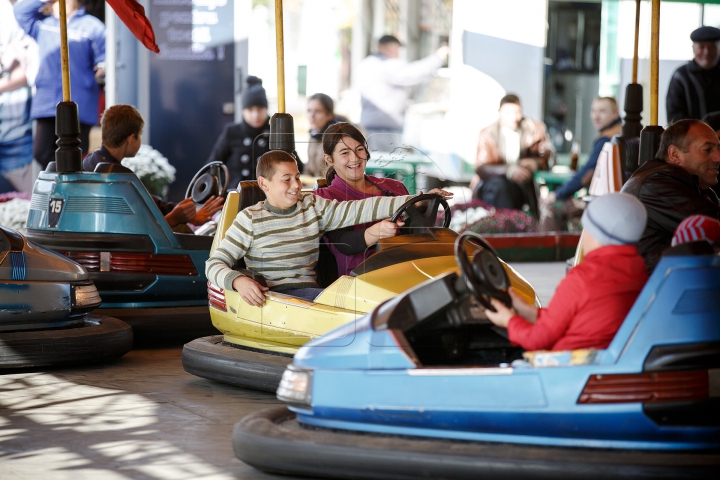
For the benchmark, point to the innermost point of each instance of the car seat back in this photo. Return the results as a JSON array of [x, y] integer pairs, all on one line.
[[677, 306], [107, 167], [250, 194], [629, 151]]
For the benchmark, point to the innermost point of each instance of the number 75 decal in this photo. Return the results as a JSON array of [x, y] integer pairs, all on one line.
[[54, 211]]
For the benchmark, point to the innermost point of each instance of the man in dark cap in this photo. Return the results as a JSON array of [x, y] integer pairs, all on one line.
[[383, 80], [694, 90], [240, 145]]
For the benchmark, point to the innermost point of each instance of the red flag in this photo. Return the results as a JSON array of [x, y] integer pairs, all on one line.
[[133, 16]]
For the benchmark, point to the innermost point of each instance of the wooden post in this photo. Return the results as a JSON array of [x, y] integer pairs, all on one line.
[[654, 61], [282, 130], [64, 59], [280, 51], [637, 41], [68, 156]]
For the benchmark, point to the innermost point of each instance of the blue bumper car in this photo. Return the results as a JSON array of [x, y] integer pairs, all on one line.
[[413, 390], [46, 310], [148, 275]]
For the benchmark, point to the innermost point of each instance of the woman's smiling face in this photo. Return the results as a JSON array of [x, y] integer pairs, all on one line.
[[349, 159]]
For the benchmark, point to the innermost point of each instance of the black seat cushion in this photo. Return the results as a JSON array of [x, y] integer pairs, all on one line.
[[190, 241], [106, 167], [250, 194]]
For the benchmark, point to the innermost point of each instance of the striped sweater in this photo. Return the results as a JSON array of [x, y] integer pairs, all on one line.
[[283, 245]]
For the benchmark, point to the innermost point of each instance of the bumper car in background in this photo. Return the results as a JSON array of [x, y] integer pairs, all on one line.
[[258, 343], [415, 389], [47, 305], [148, 275]]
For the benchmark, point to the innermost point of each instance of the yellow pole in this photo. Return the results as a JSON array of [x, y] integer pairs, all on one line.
[[280, 47], [654, 61], [637, 41], [64, 61]]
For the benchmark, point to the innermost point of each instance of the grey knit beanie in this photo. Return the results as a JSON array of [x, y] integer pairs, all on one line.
[[615, 219], [254, 94]]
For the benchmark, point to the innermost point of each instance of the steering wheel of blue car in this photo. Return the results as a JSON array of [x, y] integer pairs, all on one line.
[[484, 274], [414, 219], [207, 182]]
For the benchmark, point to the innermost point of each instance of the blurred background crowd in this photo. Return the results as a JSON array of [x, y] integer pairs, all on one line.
[[481, 95]]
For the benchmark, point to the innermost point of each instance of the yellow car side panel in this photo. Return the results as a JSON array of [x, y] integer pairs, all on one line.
[[286, 323]]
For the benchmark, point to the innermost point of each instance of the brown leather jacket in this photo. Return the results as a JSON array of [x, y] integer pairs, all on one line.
[[670, 195]]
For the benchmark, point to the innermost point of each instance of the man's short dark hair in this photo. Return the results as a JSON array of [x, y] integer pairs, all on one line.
[[118, 123], [510, 98], [385, 39], [269, 161], [676, 134]]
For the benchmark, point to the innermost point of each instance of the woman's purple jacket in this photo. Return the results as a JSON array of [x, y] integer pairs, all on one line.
[[340, 190]]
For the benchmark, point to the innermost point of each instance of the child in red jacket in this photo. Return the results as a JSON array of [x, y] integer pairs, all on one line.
[[594, 298]]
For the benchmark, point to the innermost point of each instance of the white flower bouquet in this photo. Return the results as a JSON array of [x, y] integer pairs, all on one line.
[[14, 213], [153, 169]]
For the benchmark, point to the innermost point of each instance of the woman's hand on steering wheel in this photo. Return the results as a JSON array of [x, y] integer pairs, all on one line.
[[382, 229], [443, 193], [205, 213]]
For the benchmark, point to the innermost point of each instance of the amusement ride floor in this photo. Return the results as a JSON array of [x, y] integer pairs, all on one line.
[[142, 417]]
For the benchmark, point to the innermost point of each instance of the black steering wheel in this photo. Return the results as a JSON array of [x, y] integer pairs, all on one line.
[[484, 276], [208, 182], [414, 219]]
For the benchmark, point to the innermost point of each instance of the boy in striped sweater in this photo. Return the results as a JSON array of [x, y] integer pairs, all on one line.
[[280, 236]]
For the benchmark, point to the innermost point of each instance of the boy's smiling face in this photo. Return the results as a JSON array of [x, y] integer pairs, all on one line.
[[283, 189]]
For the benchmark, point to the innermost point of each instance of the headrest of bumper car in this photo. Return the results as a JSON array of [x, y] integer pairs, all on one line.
[[106, 167], [250, 193]]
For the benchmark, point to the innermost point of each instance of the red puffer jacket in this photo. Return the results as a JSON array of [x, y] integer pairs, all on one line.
[[589, 305]]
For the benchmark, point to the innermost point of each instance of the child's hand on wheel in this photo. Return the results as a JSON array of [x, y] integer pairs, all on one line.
[[502, 316]]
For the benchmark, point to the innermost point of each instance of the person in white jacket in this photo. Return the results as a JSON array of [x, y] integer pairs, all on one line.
[[383, 80]]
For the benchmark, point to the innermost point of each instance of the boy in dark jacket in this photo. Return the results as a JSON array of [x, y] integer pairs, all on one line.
[[594, 298]]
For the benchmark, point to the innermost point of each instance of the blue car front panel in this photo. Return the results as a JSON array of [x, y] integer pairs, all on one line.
[[115, 204]]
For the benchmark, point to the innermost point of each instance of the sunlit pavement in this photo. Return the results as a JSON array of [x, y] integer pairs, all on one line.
[[141, 417]]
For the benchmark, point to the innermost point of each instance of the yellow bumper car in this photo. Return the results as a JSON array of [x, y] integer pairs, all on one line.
[[257, 343]]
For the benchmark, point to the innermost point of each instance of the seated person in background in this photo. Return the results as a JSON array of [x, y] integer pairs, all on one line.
[[676, 184], [346, 154], [509, 152], [122, 127], [320, 112], [240, 145], [279, 237], [697, 232], [561, 205], [594, 298]]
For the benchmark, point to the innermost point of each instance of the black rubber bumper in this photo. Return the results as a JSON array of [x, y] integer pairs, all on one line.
[[209, 358], [165, 325], [272, 441], [101, 338]]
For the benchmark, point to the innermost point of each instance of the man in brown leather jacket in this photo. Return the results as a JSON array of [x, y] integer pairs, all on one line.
[[509, 151], [676, 184]]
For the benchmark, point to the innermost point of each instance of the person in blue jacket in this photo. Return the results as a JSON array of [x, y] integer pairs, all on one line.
[[86, 44], [561, 205]]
